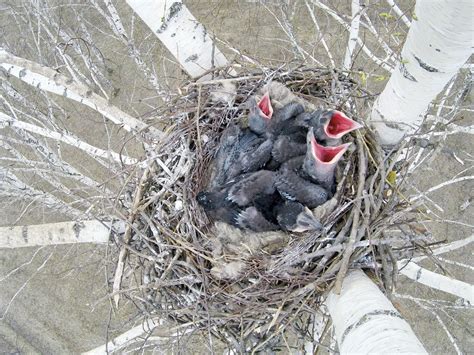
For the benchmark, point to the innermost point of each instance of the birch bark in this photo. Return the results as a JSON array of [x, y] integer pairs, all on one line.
[[366, 322], [54, 233], [438, 44], [180, 32]]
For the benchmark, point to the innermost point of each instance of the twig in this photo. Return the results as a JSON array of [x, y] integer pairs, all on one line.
[[355, 222], [139, 192]]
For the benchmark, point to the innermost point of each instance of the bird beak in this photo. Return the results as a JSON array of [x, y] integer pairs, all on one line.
[[265, 106], [327, 155], [339, 125], [306, 222]]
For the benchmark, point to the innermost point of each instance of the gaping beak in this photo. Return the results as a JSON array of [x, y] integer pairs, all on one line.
[[339, 125], [265, 106], [328, 156]]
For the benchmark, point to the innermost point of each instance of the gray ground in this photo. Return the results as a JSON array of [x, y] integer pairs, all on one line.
[[59, 306]]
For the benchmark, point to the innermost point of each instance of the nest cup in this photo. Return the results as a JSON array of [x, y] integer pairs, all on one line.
[[246, 288]]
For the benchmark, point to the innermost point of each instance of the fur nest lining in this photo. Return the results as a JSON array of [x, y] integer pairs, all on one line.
[[248, 288]]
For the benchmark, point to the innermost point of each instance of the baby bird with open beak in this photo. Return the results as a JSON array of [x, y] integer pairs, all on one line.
[[261, 113], [265, 121], [329, 125], [320, 162]]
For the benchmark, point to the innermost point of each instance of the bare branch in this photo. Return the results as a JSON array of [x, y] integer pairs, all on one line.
[[50, 80], [54, 233]]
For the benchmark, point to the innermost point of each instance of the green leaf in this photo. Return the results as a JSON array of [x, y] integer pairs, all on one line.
[[379, 77], [385, 15], [392, 177], [363, 77]]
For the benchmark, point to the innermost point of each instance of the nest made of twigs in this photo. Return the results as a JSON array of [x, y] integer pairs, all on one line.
[[246, 287]]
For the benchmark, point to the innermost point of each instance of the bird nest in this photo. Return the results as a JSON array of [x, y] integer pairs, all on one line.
[[248, 288]]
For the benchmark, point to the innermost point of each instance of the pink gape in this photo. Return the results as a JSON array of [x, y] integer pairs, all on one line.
[[339, 125], [328, 155], [320, 162], [265, 106]]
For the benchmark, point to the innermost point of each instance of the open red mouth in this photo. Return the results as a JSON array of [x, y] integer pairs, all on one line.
[[340, 124], [328, 155], [266, 106]]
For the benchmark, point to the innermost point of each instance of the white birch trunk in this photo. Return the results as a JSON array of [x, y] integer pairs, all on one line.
[[365, 321], [6, 120], [353, 34], [438, 282], [438, 44], [181, 33], [54, 233], [48, 79]]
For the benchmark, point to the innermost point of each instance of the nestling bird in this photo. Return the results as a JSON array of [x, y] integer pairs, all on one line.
[[329, 125], [240, 151], [263, 120], [248, 187], [294, 217], [261, 113], [226, 154], [283, 118], [231, 203], [320, 162]]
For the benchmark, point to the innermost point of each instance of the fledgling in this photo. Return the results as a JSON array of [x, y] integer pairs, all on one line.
[[218, 208], [329, 125], [239, 153], [243, 202], [320, 162], [256, 158], [294, 217], [263, 120], [260, 115], [226, 154]]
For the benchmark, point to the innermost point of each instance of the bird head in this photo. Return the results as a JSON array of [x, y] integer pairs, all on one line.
[[261, 113], [336, 124], [325, 155]]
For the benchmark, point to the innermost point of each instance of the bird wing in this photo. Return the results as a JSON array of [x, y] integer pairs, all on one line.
[[252, 186], [258, 157], [251, 218], [295, 188], [232, 166]]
